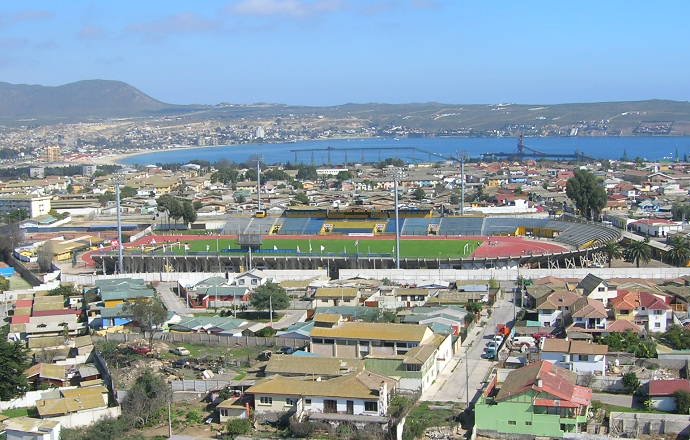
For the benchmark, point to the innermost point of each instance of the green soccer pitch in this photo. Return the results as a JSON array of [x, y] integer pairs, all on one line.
[[409, 248]]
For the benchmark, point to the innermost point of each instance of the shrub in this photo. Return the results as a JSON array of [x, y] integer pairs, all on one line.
[[301, 429], [630, 382], [235, 427], [682, 401]]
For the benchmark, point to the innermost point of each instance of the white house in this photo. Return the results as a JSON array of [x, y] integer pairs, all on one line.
[[27, 428], [251, 279], [644, 309], [661, 393], [596, 288], [361, 394], [656, 227], [581, 357]]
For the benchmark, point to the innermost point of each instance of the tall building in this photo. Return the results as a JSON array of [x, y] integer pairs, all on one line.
[[34, 205], [52, 154], [260, 133], [37, 172], [88, 170]]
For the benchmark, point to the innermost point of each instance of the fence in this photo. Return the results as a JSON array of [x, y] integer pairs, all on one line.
[[208, 339], [419, 275], [636, 424], [204, 386]]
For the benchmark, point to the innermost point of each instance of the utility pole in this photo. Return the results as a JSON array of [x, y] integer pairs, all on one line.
[[270, 308], [467, 376], [258, 182], [169, 419], [462, 184], [120, 262]]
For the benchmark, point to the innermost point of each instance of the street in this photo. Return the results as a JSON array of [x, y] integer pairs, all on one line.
[[450, 384], [171, 301]]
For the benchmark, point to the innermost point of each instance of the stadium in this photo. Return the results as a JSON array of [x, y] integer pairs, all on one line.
[[366, 239]]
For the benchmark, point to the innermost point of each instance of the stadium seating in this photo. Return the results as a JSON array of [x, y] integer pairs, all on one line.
[[261, 226], [461, 226], [417, 226], [235, 226]]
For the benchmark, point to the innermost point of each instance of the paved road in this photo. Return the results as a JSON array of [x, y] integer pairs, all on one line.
[[450, 385], [172, 302]]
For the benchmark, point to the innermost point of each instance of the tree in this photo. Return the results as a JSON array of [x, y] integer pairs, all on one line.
[[146, 399], [344, 175], [418, 194], [301, 198], [270, 297], [149, 314], [612, 250], [474, 307], [197, 204], [454, 199], [682, 402], [630, 382], [13, 361], [240, 198], [307, 173], [587, 192], [45, 256], [127, 192], [65, 290], [235, 427], [679, 254], [188, 212], [638, 251], [4, 284]]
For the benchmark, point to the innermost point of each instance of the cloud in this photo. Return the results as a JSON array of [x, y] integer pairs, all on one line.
[[90, 32], [186, 22], [285, 8]]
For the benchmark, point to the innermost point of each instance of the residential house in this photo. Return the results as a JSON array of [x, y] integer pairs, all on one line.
[[538, 400], [50, 375], [661, 393], [363, 394], [596, 288], [645, 309], [441, 320], [216, 292], [212, 325], [589, 315], [315, 367], [656, 227], [252, 279], [555, 309], [232, 408], [336, 296], [28, 428], [74, 401], [582, 357], [361, 339]]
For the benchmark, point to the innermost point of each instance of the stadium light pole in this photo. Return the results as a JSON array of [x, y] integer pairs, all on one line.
[[120, 258], [397, 174]]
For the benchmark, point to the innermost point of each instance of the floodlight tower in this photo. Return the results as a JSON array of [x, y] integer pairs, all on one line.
[[397, 174]]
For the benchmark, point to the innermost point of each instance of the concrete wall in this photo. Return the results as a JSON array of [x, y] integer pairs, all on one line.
[[417, 275], [27, 400], [666, 403], [636, 424], [87, 418], [214, 340], [191, 278]]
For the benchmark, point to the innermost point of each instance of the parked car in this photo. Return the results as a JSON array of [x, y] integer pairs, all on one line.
[[490, 353], [181, 363], [497, 338], [287, 350], [492, 345], [142, 350], [180, 351]]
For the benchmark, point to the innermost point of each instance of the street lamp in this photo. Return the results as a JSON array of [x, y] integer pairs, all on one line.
[[396, 174]]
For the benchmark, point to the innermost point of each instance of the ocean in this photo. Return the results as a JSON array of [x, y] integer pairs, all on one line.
[[337, 151]]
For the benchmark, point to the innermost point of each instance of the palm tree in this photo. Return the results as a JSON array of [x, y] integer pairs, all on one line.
[[638, 250], [679, 254], [613, 250]]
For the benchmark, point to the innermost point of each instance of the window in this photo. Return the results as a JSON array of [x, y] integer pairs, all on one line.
[[265, 400], [601, 289], [255, 281], [307, 401], [371, 406], [512, 422], [290, 402], [240, 282], [317, 340], [657, 325], [582, 357], [528, 423], [413, 367]]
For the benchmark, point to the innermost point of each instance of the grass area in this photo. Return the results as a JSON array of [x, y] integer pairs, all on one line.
[[199, 350], [408, 248], [426, 415], [18, 283], [615, 408], [15, 412]]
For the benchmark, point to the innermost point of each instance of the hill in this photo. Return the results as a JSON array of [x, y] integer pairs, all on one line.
[[80, 100]]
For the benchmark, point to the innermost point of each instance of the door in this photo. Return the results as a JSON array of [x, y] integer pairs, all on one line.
[[350, 407], [330, 406]]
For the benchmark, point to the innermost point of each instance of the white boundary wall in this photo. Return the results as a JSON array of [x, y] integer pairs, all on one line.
[[425, 275], [191, 278]]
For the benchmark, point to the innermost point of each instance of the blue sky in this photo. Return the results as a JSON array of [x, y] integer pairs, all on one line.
[[320, 52]]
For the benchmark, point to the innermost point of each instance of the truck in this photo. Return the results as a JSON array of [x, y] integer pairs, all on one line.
[[520, 341], [503, 330]]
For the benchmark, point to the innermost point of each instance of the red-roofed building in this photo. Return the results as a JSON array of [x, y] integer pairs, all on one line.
[[23, 303], [644, 309], [656, 227], [661, 392], [21, 319], [539, 400]]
